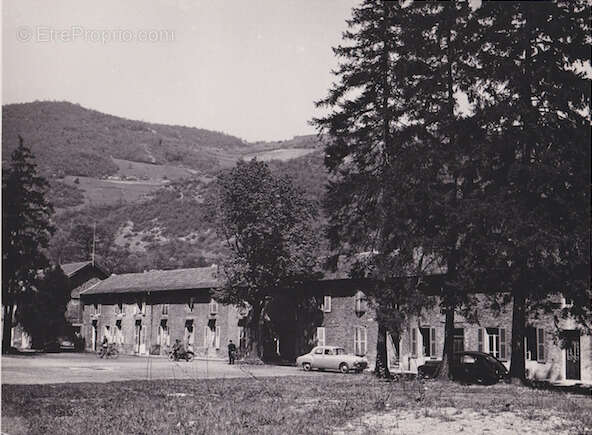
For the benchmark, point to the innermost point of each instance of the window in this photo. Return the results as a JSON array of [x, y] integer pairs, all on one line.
[[163, 333], [165, 309], [328, 352], [493, 342], [189, 332], [535, 344], [120, 308], [318, 351], [326, 304], [458, 340], [118, 332], [320, 336], [140, 306], [190, 304], [414, 342], [360, 302], [428, 336], [213, 307], [360, 340], [541, 345]]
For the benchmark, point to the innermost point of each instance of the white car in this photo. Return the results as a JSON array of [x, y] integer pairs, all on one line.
[[331, 358]]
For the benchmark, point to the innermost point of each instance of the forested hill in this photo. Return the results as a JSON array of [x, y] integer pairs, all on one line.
[[68, 139], [145, 186]]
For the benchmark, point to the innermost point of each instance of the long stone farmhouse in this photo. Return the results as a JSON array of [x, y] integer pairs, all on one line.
[[146, 312]]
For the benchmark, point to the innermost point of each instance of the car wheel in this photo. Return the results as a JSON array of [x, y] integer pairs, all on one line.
[[306, 367], [343, 368]]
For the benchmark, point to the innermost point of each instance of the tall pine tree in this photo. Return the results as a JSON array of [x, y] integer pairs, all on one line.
[[396, 150], [26, 229], [531, 234]]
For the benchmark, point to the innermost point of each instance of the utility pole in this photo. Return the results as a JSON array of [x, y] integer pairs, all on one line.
[[94, 241]]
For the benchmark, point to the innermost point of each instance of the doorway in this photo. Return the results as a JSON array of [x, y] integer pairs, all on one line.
[[138, 339], [93, 335], [572, 355]]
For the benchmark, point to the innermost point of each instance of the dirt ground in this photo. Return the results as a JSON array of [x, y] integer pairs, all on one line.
[[453, 421], [86, 367]]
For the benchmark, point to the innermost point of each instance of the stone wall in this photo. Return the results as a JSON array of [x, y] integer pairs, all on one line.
[[140, 323]]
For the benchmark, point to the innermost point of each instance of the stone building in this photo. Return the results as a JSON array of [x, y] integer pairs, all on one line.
[[553, 351], [146, 312], [81, 276]]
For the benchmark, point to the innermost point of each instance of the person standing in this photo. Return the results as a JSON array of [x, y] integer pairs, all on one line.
[[231, 352]]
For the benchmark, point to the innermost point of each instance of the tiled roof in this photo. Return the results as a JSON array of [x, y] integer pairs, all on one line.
[[71, 268], [157, 280]]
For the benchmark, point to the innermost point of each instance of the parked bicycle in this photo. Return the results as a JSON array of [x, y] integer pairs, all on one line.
[[109, 351]]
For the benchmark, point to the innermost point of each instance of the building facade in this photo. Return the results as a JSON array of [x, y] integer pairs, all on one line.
[[555, 352], [146, 312]]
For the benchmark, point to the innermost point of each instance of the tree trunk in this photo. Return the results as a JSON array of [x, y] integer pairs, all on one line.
[[445, 371], [381, 369], [254, 345], [7, 323], [517, 366]]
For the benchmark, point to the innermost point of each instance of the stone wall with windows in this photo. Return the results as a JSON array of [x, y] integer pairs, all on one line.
[[549, 347], [140, 323]]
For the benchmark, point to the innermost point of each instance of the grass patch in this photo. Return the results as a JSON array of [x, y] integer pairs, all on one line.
[[263, 405]]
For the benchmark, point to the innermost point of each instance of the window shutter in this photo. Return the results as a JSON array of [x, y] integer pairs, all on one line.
[[320, 336], [503, 344], [217, 337], [541, 345], [414, 342], [365, 347], [327, 304], [480, 340], [433, 342]]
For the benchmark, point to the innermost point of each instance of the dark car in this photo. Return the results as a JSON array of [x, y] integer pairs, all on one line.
[[471, 367], [60, 344]]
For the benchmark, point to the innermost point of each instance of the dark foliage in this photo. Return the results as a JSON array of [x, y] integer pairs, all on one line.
[[26, 230], [41, 311]]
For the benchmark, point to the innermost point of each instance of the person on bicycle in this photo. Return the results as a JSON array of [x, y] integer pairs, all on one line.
[[231, 352], [178, 350]]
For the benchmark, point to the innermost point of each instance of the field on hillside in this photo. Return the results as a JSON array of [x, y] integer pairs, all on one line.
[[333, 403], [282, 154], [149, 171], [106, 192]]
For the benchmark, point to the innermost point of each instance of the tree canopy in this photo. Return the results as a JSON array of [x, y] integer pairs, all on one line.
[[266, 223], [497, 194]]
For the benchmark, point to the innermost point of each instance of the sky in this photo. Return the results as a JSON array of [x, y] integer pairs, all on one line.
[[252, 69]]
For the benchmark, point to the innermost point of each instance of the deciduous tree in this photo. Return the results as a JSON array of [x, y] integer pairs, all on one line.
[[266, 222]]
